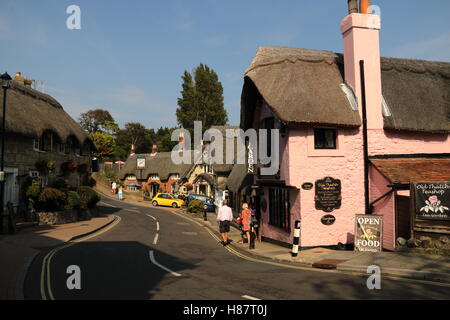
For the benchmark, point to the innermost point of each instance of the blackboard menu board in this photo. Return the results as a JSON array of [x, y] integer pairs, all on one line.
[[432, 200], [328, 194], [368, 233]]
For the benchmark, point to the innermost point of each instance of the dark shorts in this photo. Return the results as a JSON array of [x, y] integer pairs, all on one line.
[[224, 226]]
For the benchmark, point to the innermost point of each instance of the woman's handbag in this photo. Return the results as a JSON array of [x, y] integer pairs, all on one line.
[[239, 221]]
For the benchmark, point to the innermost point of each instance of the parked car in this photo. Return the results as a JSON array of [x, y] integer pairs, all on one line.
[[166, 199], [206, 200]]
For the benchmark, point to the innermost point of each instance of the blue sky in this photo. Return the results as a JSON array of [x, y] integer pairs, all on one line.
[[129, 56]]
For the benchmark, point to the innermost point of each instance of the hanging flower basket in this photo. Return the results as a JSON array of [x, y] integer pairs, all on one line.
[[51, 166], [68, 167]]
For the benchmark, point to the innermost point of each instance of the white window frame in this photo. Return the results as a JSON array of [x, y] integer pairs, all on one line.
[[62, 148], [37, 142]]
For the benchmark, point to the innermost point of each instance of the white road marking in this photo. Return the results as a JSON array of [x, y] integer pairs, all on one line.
[[155, 241], [149, 215], [152, 259], [107, 204], [131, 210], [189, 233], [250, 297], [157, 226]]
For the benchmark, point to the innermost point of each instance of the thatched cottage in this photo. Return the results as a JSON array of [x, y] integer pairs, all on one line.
[[42, 141], [364, 125], [154, 172]]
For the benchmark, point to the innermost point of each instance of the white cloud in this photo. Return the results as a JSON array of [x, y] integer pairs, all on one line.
[[437, 48]]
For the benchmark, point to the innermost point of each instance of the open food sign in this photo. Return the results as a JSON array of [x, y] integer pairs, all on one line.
[[368, 233]]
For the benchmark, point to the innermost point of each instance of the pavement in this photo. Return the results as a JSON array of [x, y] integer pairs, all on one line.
[[394, 264], [17, 251]]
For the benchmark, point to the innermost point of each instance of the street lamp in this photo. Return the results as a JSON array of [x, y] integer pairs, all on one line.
[[5, 80]]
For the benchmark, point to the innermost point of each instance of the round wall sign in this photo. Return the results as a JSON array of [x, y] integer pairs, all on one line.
[[307, 186], [328, 219]]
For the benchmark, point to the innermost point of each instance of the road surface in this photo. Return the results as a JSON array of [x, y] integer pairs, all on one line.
[[152, 253]]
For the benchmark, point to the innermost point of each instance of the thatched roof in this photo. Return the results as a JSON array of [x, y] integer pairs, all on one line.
[[236, 177], [303, 86], [160, 163], [418, 94], [205, 177], [30, 113]]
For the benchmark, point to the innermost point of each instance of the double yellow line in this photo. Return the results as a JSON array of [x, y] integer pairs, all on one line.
[[46, 262]]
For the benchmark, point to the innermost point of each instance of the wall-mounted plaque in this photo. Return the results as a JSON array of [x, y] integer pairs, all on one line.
[[432, 200], [328, 194], [328, 219], [368, 233], [307, 186]]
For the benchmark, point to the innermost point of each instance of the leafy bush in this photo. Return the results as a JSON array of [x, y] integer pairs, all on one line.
[[89, 197], [196, 206], [34, 191], [60, 184], [52, 199], [89, 182], [73, 200]]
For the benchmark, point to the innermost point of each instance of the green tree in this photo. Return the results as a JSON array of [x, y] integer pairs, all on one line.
[[163, 139], [105, 143], [96, 120], [201, 99], [135, 134]]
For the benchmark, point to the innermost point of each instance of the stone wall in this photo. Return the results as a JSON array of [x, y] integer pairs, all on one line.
[[67, 216]]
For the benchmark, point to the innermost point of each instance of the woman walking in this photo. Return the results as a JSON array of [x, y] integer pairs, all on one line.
[[246, 216], [120, 193]]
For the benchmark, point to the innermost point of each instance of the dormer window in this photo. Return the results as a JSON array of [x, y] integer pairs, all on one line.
[[175, 176], [154, 177], [325, 138]]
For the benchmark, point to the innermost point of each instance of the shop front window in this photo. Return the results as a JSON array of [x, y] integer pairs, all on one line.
[[279, 208]]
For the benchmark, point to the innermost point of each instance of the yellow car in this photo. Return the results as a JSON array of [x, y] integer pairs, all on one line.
[[166, 199]]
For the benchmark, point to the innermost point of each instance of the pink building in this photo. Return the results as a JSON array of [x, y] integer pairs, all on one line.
[[316, 100]]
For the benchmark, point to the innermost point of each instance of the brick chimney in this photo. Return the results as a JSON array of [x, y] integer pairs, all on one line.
[[361, 42], [154, 149], [25, 81], [181, 141]]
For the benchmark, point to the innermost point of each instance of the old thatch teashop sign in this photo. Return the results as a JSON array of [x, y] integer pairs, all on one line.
[[432, 200], [368, 233], [328, 194]]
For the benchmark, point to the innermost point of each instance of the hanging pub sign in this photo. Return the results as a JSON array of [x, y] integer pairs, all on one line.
[[368, 233], [328, 219], [432, 200], [328, 194], [140, 162]]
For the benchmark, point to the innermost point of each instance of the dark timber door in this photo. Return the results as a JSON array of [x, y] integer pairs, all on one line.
[[403, 212]]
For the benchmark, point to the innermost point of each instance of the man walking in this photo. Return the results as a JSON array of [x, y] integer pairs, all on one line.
[[224, 217]]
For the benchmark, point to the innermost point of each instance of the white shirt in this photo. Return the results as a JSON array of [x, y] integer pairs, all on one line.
[[225, 213]]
